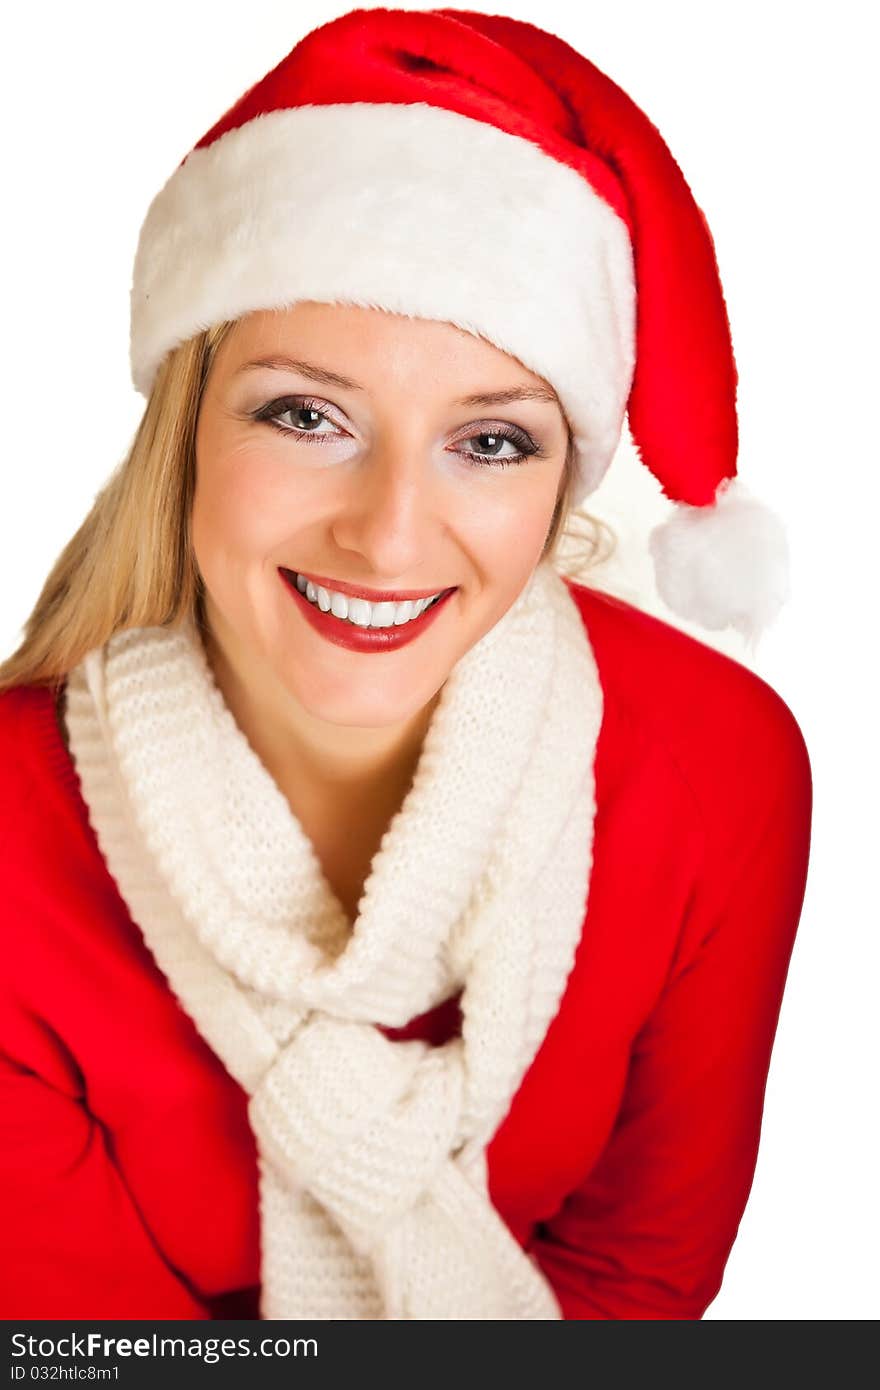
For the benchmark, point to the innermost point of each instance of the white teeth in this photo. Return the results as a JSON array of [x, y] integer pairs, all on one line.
[[359, 611], [383, 615]]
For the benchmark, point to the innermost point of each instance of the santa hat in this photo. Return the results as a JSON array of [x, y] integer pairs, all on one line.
[[475, 169]]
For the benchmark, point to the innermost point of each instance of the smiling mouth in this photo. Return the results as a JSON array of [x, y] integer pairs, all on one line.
[[355, 611], [353, 591]]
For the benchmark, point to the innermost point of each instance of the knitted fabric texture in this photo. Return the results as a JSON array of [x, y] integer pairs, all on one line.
[[374, 1200]]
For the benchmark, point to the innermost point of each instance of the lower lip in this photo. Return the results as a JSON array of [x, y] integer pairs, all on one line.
[[362, 639]]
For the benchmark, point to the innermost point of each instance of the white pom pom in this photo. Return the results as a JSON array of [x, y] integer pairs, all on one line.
[[723, 565]]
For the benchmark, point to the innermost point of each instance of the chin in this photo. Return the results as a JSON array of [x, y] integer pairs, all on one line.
[[373, 709]]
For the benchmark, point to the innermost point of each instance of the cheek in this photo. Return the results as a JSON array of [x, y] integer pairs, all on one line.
[[246, 504], [508, 523]]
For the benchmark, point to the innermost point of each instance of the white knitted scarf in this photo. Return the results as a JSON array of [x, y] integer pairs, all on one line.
[[372, 1167]]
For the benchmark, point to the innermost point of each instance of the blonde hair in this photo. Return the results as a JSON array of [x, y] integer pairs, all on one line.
[[131, 562]]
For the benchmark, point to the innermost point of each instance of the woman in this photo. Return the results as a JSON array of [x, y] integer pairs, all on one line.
[[399, 929]]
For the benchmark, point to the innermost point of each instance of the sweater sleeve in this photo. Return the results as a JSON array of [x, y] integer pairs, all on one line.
[[649, 1232], [74, 1245]]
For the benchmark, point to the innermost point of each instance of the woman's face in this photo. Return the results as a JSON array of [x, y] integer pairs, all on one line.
[[347, 445]]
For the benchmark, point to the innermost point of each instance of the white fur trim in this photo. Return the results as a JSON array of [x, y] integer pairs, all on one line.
[[723, 565], [413, 209]]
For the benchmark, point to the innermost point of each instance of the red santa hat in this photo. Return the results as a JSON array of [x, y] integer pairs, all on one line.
[[476, 169]]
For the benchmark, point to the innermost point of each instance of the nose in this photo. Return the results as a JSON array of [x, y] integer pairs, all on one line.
[[389, 513]]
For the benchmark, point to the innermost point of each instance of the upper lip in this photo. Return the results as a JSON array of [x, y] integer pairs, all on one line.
[[339, 586]]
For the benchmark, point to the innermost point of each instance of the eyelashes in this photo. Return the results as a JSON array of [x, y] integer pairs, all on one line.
[[272, 411]]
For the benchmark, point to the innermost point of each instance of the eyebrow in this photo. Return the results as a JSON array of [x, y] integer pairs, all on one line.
[[280, 363]]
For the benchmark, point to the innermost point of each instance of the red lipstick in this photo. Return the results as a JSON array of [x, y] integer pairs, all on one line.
[[362, 639]]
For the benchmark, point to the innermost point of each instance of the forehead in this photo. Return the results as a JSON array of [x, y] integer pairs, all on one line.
[[366, 344]]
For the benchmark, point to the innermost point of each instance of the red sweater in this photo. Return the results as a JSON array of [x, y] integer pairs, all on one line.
[[129, 1179]]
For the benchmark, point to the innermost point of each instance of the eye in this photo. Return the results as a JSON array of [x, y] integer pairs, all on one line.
[[306, 414], [492, 440]]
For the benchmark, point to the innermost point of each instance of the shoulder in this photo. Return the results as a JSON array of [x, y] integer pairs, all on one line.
[[32, 864], [23, 713], [21, 709], [65, 932], [732, 737], [43, 819]]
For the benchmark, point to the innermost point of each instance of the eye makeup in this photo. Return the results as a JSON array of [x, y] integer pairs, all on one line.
[[498, 432]]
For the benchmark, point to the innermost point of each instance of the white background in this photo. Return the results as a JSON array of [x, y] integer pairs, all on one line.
[[767, 109]]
